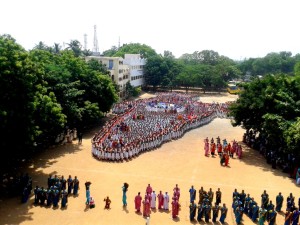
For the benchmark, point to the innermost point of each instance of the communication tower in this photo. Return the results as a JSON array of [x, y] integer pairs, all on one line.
[[85, 41], [96, 47]]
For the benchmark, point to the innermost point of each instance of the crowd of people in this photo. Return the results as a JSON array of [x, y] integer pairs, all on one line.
[[207, 210], [162, 200], [287, 162], [266, 210], [146, 124], [225, 150], [68, 136], [59, 189]]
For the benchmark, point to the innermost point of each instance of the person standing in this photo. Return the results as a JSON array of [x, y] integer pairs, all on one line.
[[80, 135], [124, 198], [192, 194], [175, 208], [262, 215], [87, 195], [70, 184], [207, 211], [137, 202], [218, 196], [76, 186], [288, 218], [210, 195], [64, 198], [226, 159], [107, 203], [264, 199], [215, 212], [224, 210], [147, 208], [193, 207], [160, 198], [200, 212], [63, 183], [206, 147], [176, 191], [213, 149], [153, 200], [149, 189], [238, 214], [166, 201], [295, 217], [272, 217]]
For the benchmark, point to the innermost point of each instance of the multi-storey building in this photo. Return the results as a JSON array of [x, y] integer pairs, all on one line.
[[119, 72], [136, 67], [124, 70]]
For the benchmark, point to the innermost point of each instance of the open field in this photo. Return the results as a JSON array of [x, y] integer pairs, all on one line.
[[179, 162]]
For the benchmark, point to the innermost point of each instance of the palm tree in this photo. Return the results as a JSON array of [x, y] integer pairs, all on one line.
[[86, 52], [41, 46], [75, 46], [56, 48]]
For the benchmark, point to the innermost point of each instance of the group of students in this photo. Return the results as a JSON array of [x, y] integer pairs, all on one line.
[[206, 208], [162, 200], [225, 150], [139, 129], [58, 189], [265, 211], [288, 162]]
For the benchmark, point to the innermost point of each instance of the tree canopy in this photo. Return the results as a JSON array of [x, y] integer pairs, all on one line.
[[42, 92], [271, 107], [132, 48]]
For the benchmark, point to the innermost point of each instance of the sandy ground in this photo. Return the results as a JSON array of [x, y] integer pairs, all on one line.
[[179, 162]]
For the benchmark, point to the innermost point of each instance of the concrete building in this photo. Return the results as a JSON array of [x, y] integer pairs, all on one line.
[[123, 70], [119, 72], [136, 67]]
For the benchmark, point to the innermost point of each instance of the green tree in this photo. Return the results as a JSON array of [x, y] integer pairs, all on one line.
[[297, 69], [28, 110], [110, 52], [136, 48], [75, 46], [269, 106]]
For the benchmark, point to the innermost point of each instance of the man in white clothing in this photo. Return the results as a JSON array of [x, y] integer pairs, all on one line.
[[166, 201], [153, 200]]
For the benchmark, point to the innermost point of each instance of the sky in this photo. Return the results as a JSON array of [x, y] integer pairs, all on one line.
[[238, 29]]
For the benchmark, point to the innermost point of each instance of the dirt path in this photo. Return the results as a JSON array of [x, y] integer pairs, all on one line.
[[179, 162]]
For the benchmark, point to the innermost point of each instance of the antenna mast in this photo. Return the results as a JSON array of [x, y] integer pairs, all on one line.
[[85, 41], [96, 47]]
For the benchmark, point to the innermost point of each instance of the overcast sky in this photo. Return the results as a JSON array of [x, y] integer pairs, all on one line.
[[234, 28]]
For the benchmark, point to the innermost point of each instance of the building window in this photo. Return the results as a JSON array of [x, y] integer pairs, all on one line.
[[110, 64]]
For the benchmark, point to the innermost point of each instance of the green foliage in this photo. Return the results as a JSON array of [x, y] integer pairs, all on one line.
[[135, 48], [110, 52], [132, 91], [270, 106], [272, 63], [297, 69]]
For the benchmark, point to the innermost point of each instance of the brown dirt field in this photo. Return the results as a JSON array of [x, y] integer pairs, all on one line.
[[179, 162]]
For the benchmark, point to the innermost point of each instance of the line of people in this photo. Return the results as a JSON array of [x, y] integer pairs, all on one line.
[[265, 211], [162, 201], [211, 148], [206, 208], [58, 189]]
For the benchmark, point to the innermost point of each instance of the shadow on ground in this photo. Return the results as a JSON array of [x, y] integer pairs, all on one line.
[[34, 168], [252, 157]]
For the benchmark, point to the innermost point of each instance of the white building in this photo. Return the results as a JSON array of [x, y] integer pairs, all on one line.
[[119, 72], [123, 70], [136, 69]]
